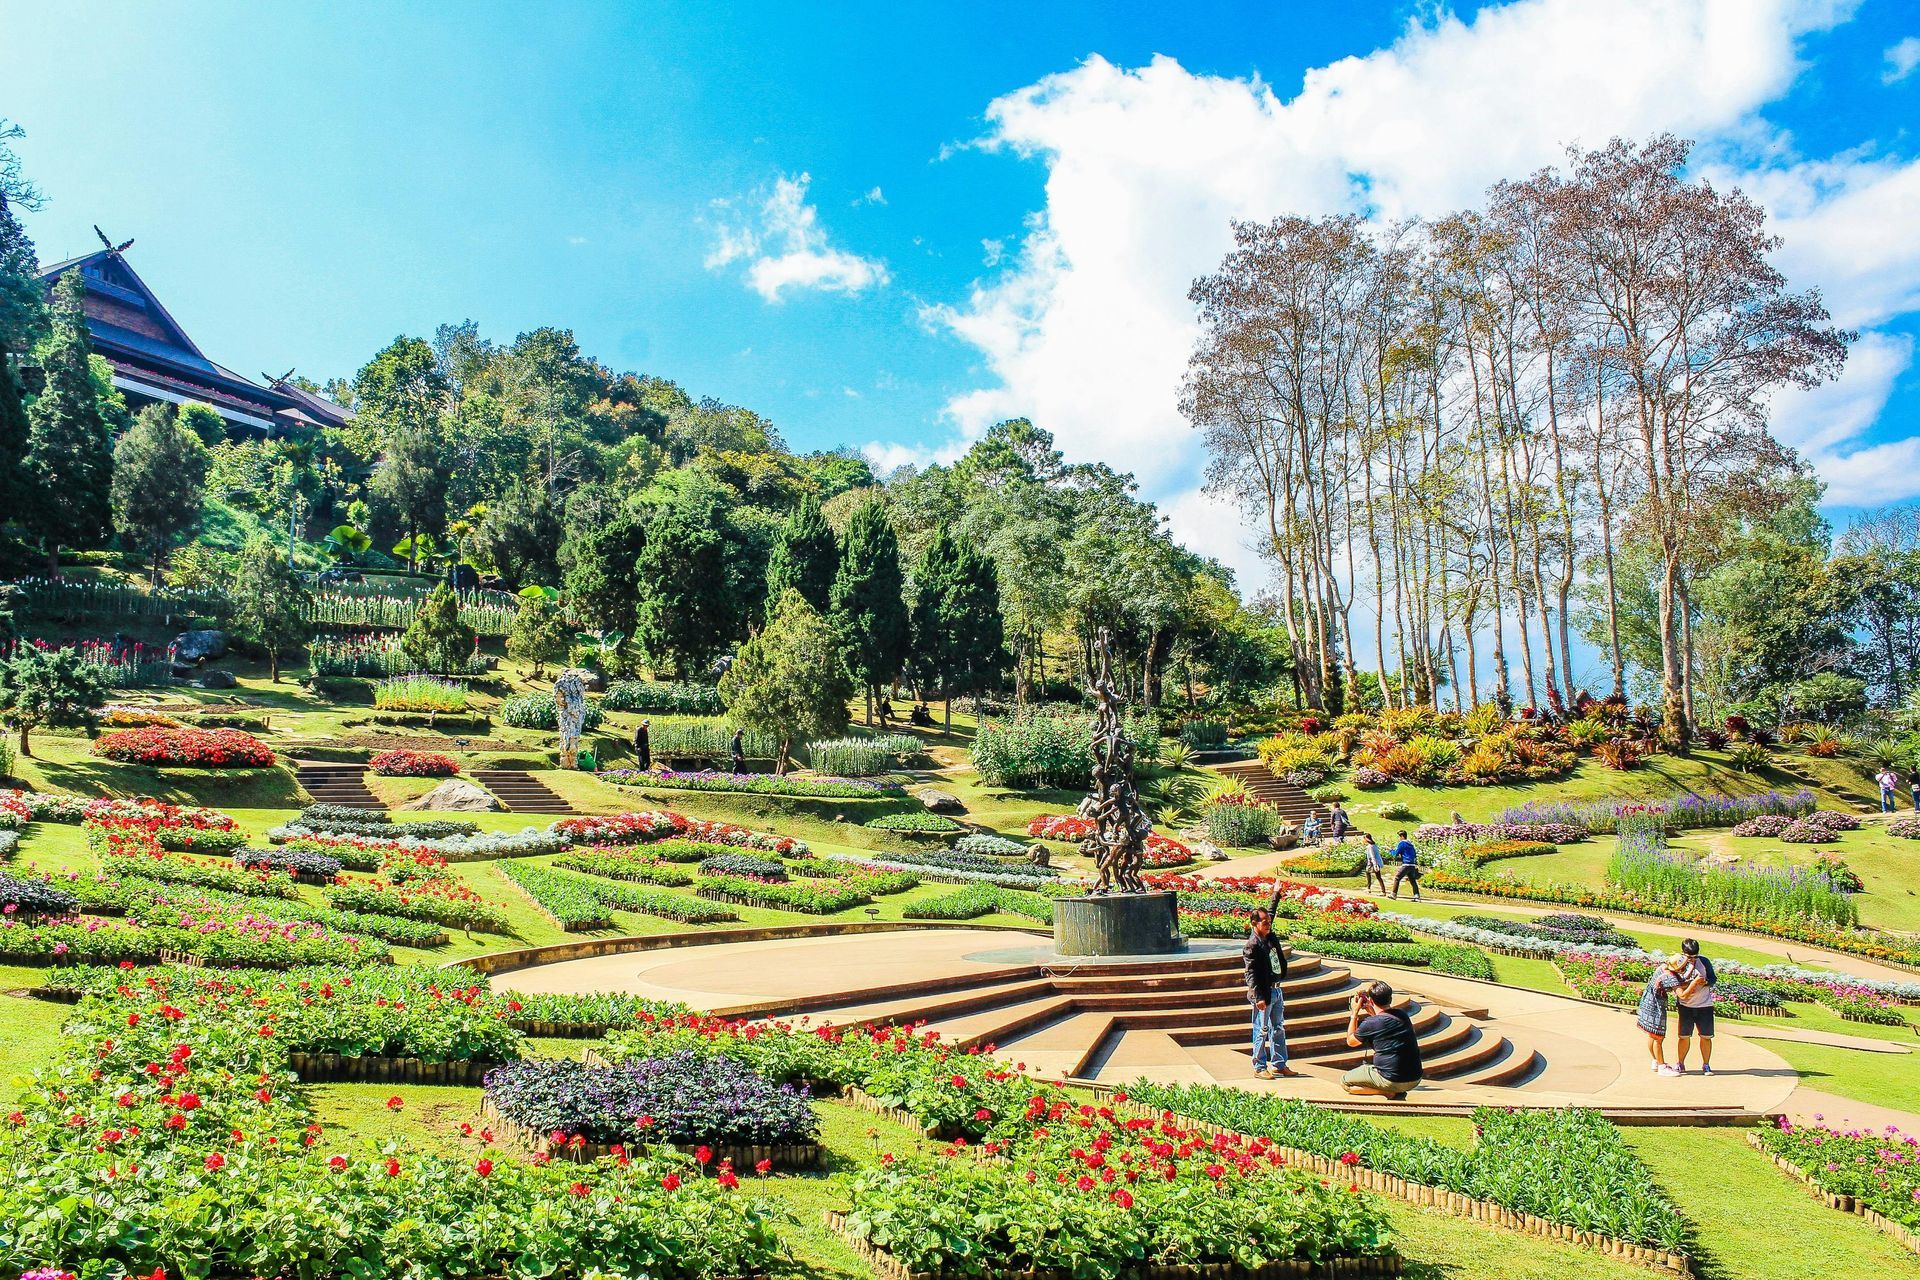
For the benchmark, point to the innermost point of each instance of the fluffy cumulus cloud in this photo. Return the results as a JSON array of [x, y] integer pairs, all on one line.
[[1902, 58], [1086, 326], [785, 247]]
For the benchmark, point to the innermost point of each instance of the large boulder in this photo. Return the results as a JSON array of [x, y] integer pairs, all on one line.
[[590, 680], [938, 801], [199, 646], [217, 680], [455, 795]]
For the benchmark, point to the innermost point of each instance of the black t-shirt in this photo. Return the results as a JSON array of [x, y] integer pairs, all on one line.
[[1396, 1047]]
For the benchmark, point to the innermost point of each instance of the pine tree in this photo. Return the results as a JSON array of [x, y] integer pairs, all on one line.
[[23, 316], [49, 687], [15, 489], [805, 557], [789, 681], [268, 601], [684, 611], [959, 639], [598, 578], [159, 477], [413, 479], [540, 634], [868, 609], [69, 458], [436, 639]]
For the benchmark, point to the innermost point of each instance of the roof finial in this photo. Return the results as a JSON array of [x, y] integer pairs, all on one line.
[[112, 248]]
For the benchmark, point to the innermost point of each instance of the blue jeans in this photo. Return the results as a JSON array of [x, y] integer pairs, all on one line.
[[1886, 799], [1270, 1035]]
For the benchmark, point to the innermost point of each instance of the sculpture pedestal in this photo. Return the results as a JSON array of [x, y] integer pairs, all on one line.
[[1117, 924]]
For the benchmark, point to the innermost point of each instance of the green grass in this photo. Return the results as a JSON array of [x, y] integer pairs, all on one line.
[[29, 1028]]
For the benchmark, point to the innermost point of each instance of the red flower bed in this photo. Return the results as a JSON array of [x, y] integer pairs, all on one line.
[[414, 764], [1161, 850], [647, 826], [1310, 895], [184, 748]]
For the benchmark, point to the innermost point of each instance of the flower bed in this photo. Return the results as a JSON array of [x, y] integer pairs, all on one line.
[[740, 864], [1471, 832], [1643, 869], [815, 897], [663, 699], [445, 902], [647, 827], [765, 784], [184, 748], [48, 806], [1461, 962], [168, 826], [1009, 877], [621, 865], [1568, 927], [239, 940], [34, 897], [527, 843], [982, 845], [954, 860], [536, 711], [1335, 860], [1567, 1166], [567, 900], [425, 829], [681, 1098], [1683, 813], [417, 692], [314, 868], [213, 1122], [413, 764], [1310, 896], [936, 825], [186, 906], [1874, 1173]]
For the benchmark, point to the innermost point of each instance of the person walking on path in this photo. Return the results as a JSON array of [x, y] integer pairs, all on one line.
[[1338, 823], [643, 746], [1695, 998], [1373, 1023], [1888, 780], [1409, 869], [1652, 1016], [1266, 965], [738, 750], [1375, 865]]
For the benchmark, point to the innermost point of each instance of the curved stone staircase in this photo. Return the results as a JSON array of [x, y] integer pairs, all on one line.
[[1185, 1017]]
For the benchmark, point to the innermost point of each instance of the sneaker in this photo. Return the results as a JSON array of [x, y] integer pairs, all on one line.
[[1705, 1070], [1679, 1068], [1656, 1066], [1666, 1070]]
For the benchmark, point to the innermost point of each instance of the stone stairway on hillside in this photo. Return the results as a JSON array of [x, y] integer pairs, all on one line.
[[1289, 801], [521, 792], [329, 783], [1181, 1018]]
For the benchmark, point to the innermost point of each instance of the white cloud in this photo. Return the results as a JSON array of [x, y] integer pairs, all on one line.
[[1902, 58], [873, 195], [788, 248], [991, 252], [1827, 423], [849, 393], [1086, 327]]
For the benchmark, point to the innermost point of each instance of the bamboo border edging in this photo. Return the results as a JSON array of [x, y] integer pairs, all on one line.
[[1902, 1234], [787, 1155], [326, 1068], [1365, 1267], [1675, 1262]]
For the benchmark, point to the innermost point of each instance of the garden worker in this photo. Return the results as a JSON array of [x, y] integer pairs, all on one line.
[[1888, 780], [643, 746], [1373, 1023], [1409, 868], [1652, 1016], [1310, 830], [1375, 865], [738, 750], [1266, 965], [1695, 998], [1338, 823]]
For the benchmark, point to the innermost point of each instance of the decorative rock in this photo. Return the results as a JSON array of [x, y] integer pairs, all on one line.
[[455, 795], [1284, 840], [199, 646], [938, 801], [1207, 850], [217, 680], [1039, 855], [590, 680]]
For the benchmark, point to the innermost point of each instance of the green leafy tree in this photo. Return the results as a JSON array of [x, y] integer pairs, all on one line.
[[436, 639], [49, 687], [540, 634], [69, 457], [15, 485], [600, 581], [159, 477], [268, 600], [959, 641], [22, 313], [412, 480], [805, 557], [401, 391], [868, 608], [789, 681], [518, 536], [205, 422], [684, 611]]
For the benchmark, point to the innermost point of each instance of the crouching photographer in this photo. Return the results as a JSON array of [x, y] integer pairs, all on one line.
[[1373, 1023]]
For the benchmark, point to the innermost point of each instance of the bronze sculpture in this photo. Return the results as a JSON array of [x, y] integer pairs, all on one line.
[[1118, 844]]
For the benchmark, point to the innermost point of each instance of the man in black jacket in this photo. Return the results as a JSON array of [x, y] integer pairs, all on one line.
[[1266, 964]]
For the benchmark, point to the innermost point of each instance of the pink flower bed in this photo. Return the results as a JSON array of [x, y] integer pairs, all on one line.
[[1162, 851]]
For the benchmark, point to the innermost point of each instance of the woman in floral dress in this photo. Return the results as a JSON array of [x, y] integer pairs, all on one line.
[[1653, 1012]]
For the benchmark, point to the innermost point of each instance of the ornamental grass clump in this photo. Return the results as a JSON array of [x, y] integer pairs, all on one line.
[[417, 692], [862, 757], [665, 698], [680, 1098], [1239, 822]]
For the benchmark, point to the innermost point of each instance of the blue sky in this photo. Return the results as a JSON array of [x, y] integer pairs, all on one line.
[[1001, 203]]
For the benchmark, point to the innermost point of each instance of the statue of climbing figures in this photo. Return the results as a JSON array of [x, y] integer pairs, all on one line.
[[1118, 844]]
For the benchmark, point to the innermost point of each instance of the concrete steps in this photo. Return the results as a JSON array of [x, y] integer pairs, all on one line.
[[344, 784], [1289, 801], [521, 792]]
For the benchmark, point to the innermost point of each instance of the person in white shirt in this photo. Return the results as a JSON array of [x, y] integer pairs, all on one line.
[[1695, 1000]]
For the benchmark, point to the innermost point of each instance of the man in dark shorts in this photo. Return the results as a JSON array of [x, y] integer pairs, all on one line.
[[1375, 1024], [1695, 1002]]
